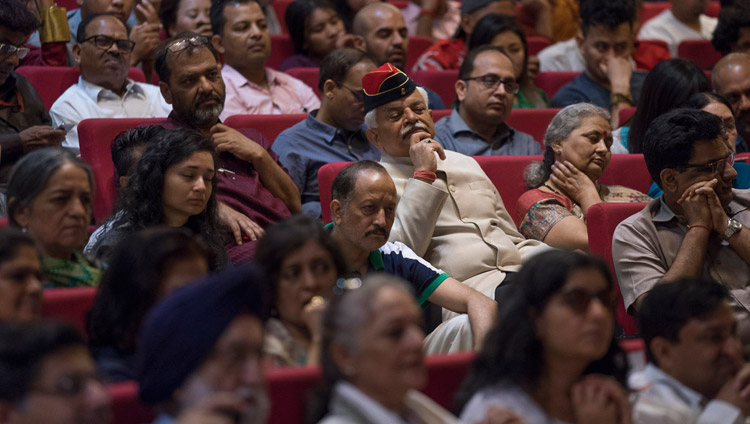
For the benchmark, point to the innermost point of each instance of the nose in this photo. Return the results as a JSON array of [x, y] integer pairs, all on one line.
[[308, 279], [76, 207], [598, 310], [397, 39], [255, 32], [199, 184], [732, 347], [729, 173], [409, 115], [380, 218], [601, 146], [33, 285], [415, 337], [97, 397]]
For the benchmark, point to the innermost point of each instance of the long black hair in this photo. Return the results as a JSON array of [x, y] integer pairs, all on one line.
[[297, 17], [496, 23]]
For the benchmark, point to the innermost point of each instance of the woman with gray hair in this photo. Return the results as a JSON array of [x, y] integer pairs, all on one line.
[[563, 186]]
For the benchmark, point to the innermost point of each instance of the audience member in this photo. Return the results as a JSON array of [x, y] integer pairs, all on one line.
[[24, 122], [551, 356], [695, 371], [363, 209], [199, 356], [485, 92], [104, 89], [49, 196], [53, 33], [21, 277], [731, 79], [695, 229], [253, 190], [606, 44], [316, 30], [666, 86], [144, 268], [685, 20], [348, 8], [564, 186], [302, 262], [179, 16], [448, 211], [448, 53], [335, 132], [372, 358], [503, 32], [556, 20], [128, 148], [173, 185], [241, 36], [47, 377], [386, 39], [732, 33], [436, 19]]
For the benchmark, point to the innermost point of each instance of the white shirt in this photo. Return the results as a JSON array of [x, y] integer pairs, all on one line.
[[666, 27], [563, 56], [661, 399], [86, 100]]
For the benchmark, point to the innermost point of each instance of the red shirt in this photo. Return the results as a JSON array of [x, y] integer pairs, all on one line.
[[445, 54]]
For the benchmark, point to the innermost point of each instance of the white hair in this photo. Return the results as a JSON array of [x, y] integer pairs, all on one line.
[[370, 120]]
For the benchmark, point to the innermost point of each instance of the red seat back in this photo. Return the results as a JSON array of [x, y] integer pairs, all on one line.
[[69, 304], [95, 138], [417, 46], [626, 114], [701, 52], [289, 390], [441, 82], [445, 373], [51, 81], [307, 75], [281, 48], [268, 125], [532, 121], [627, 170], [601, 221], [506, 173], [537, 44], [550, 82], [279, 7], [68, 4], [326, 174], [651, 9], [127, 407]]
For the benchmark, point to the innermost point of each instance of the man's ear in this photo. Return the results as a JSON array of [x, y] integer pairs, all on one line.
[[662, 350], [460, 87], [466, 23], [217, 42], [669, 180], [165, 92], [328, 87], [77, 54], [337, 212], [123, 181], [579, 38], [343, 360], [373, 137]]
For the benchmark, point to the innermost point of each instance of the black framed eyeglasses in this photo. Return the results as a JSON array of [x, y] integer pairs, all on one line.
[[104, 42], [492, 81], [180, 45], [359, 95], [715, 167], [9, 50], [579, 299]]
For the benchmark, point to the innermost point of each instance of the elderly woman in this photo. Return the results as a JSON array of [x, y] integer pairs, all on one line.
[[21, 277], [563, 186], [49, 197], [302, 263], [372, 358], [552, 357]]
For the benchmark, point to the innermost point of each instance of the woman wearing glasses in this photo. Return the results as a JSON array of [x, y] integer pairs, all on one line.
[[552, 358], [563, 186]]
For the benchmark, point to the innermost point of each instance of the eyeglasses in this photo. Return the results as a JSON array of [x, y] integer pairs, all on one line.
[[579, 299], [180, 45], [104, 42], [492, 81], [9, 50], [359, 95], [74, 385], [715, 167]]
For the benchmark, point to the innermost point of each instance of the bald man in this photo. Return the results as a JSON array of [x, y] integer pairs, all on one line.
[[731, 79]]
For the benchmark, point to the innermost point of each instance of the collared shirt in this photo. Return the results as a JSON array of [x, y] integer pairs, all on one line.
[[669, 29], [661, 399], [645, 246], [285, 94], [442, 27], [310, 144], [454, 134], [86, 100], [584, 89]]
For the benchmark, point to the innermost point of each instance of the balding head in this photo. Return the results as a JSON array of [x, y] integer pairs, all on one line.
[[383, 28], [730, 64], [731, 79]]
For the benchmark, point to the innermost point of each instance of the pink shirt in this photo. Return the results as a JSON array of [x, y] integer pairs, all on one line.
[[287, 95]]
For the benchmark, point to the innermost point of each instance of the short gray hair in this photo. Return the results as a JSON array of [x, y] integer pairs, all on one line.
[[370, 120], [562, 125]]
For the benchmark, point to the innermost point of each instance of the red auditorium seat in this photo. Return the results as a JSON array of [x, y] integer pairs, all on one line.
[[629, 171], [601, 221], [4, 222], [550, 82], [69, 304], [532, 121], [289, 389], [51, 81], [701, 52], [401, 4], [127, 407], [279, 7], [326, 175], [506, 173], [441, 82], [445, 373], [68, 4], [417, 46], [307, 75], [537, 44], [650, 9], [281, 48], [626, 114], [268, 125], [95, 137]]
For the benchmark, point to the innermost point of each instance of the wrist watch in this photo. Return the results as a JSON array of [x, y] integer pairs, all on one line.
[[733, 227]]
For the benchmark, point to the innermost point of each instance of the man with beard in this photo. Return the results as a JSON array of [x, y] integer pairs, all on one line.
[[731, 79], [199, 358], [363, 207], [333, 133], [253, 189], [695, 373], [104, 89]]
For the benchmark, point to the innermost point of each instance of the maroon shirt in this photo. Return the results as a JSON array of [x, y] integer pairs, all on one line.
[[239, 187]]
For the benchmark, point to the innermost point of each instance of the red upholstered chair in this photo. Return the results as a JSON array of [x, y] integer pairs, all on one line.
[[506, 173], [51, 81], [626, 114], [601, 221], [4, 222], [627, 170], [127, 407], [326, 174], [279, 7], [636, 351], [281, 48], [69, 304], [417, 46], [401, 4], [440, 114], [307, 75], [441, 82], [537, 44], [701, 52], [95, 137], [445, 374], [550, 82], [532, 121], [68, 4], [289, 389], [268, 125], [713, 9], [650, 9]]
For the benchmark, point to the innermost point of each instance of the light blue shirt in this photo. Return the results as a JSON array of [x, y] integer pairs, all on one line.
[[454, 134]]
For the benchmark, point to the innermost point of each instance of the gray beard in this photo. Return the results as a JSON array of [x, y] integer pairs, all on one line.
[[207, 116]]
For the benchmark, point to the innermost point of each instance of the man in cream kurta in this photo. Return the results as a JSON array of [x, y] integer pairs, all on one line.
[[449, 212]]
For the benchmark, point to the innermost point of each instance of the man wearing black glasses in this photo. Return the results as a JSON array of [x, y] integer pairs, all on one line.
[[697, 228], [104, 90], [485, 90]]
